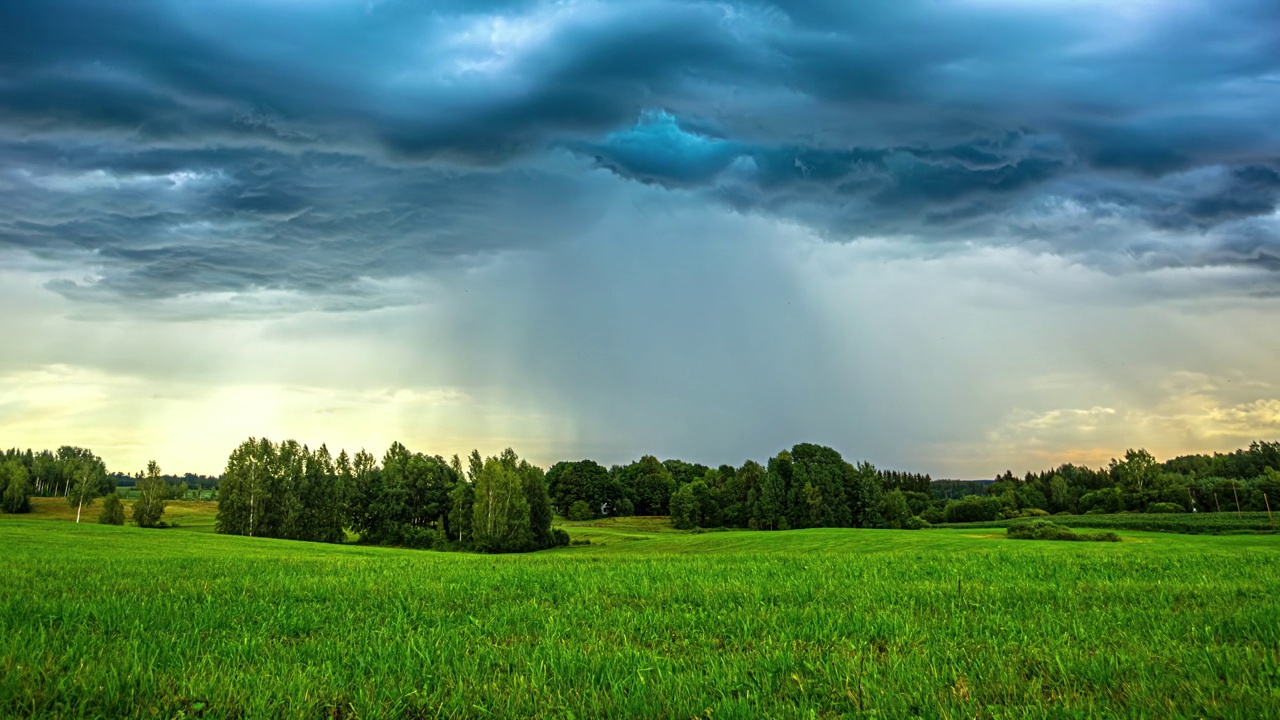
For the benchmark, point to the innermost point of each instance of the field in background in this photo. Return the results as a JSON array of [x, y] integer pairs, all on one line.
[[1191, 523], [193, 515], [123, 622]]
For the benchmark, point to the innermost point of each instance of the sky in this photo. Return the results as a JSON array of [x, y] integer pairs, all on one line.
[[949, 236]]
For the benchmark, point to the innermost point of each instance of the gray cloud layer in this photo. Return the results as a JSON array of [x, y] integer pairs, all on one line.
[[227, 146]]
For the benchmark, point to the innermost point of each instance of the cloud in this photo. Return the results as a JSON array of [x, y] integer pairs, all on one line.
[[707, 229], [433, 133]]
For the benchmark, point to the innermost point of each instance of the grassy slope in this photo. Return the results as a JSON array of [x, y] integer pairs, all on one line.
[[194, 515], [117, 622]]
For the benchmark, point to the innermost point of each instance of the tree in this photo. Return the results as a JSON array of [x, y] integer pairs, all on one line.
[[818, 479], [580, 510], [112, 510], [15, 487], [649, 484], [1060, 496], [240, 494], [709, 514], [535, 494], [863, 491], [895, 511], [771, 501], [72, 463], [151, 501], [583, 481], [501, 511], [85, 483], [1137, 472], [684, 508], [462, 507]]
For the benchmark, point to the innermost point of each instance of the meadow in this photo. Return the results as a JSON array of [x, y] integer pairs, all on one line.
[[100, 621], [193, 515], [1188, 523]]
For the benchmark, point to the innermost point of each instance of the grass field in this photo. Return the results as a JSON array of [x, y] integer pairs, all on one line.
[[194, 515], [1190, 523], [108, 622]]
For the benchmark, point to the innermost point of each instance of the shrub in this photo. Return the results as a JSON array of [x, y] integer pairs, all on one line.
[[580, 510], [560, 538], [1048, 530], [1165, 507], [626, 508], [1033, 512], [112, 510], [915, 523], [932, 515]]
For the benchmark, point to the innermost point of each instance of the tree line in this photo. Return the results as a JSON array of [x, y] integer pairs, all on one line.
[[504, 504], [408, 499], [81, 477], [1240, 481], [806, 486]]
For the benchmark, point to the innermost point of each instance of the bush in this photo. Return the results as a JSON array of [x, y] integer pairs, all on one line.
[[1049, 530], [626, 508], [932, 515], [1165, 507], [916, 523], [112, 510], [560, 538], [580, 510]]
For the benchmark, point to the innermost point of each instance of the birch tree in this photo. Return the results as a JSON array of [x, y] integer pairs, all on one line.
[[151, 501], [84, 485]]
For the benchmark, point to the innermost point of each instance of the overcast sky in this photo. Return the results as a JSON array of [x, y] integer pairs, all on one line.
[[953, 236]]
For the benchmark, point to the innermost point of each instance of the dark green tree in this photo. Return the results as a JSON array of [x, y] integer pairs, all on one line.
[[583, 481], [895, 511], [112, 510], [540, 515], [684, 508], [15, 487], [863, 491], [648, 484], [771, 502]]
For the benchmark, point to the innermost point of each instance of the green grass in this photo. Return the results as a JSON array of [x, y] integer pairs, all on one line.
[[120, 622], [1189, 523]]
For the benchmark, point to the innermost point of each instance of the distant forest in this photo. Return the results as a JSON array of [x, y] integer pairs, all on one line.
[[504, 504]]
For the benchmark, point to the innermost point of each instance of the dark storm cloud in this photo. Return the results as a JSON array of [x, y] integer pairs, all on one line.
[[168, 222], [181, 147]]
